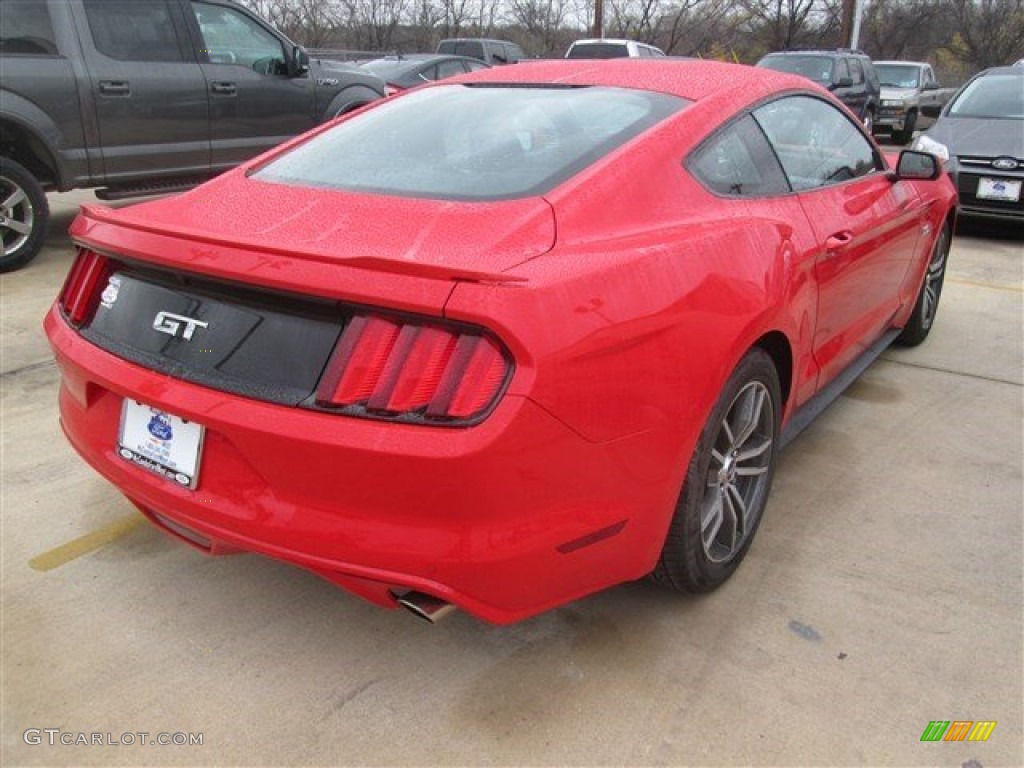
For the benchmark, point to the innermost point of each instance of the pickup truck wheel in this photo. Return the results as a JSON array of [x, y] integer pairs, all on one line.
[[869, 121], [904, 136], [24, 213]]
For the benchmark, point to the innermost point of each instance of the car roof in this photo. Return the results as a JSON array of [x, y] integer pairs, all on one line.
[[692, 79], [907, 63], [614, 40], [420, 57], [818, 52], [1010, 70]]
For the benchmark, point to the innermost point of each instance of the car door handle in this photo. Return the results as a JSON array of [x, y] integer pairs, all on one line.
[[115, 88], [838, 241], [223, 88]]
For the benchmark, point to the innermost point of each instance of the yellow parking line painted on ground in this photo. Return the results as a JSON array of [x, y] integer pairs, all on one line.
[[981, 284], [83, 545]]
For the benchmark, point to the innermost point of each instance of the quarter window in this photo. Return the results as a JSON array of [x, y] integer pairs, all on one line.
[[739, 162], [25, 28], [815, 142], [128, 30]]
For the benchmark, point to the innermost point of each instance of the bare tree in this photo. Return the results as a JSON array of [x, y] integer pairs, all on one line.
[[373, 23], [778, 24], [990, 32], [542, 20]]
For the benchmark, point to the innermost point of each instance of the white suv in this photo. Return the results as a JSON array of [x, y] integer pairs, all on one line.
[[610, 48]]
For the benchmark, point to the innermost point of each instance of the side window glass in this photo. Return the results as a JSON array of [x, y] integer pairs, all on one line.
[[739, 162], [128, 30], [25, 28], [231, 37], [856, 72], [447, 69], [473, 66], [815, 142], [842, 70]]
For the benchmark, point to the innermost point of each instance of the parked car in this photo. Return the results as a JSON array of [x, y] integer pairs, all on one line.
[[849, 74], [500, 347], [144, 98], [907, 87], [611, 48], [980, 134], [409, 70], [489, 51]]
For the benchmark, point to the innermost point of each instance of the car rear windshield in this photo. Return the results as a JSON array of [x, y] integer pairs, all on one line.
[[471, 48], [991, 96], [461, 142], [817, 68], [898, 75], [598, 51], [388, 68]]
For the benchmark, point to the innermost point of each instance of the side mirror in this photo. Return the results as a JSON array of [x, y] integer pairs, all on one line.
[[298, 62], [918, 165], [930, 87], [931, 110], [843, 82]]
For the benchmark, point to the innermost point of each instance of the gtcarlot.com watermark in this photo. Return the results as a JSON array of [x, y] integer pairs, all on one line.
[[55, 737]]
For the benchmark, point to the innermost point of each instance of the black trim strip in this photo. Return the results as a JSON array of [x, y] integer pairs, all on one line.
[[814, 407]]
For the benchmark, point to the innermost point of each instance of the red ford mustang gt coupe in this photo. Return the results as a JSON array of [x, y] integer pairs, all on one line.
[[503, 341]]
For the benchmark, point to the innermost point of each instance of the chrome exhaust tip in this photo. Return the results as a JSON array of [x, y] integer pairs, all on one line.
[[427, 607]]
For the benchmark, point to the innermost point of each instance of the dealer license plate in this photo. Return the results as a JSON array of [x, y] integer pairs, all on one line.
[[999, 189], [161, 442]]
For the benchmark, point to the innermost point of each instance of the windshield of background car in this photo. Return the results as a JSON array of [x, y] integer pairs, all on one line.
[[598, 51], [991, 96], [817, 68], [460, 142], [898, 75]]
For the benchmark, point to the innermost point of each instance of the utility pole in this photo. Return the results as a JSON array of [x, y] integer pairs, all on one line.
[[855, 37], [598, 18], [849, 26], [846, 24]]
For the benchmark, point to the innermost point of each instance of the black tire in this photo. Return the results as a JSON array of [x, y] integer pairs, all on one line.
[[24, 214], [904, 136], [699, 555], [869, 121], [927, 305]]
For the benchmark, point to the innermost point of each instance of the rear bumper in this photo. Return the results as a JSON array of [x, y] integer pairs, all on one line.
[[506, 519]]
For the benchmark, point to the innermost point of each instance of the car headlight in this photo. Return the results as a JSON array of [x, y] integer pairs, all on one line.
[[892, 102], [932, 147]]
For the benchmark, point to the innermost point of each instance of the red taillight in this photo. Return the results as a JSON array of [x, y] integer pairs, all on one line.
[[388, 368], [80, 295]]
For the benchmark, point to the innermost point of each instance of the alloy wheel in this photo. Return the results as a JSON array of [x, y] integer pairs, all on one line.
[[738, 474], [17, 216]]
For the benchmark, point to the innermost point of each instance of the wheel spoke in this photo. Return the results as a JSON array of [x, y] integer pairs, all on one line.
[[711, 518], [750, 412], [16, 197], [740, 508], [19, 226], [755, 449], [732, 521]]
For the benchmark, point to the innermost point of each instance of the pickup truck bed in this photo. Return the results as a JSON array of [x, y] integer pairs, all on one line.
[[146, 98]]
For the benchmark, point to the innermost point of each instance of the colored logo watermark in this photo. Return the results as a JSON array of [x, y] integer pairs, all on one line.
[[958, 730]]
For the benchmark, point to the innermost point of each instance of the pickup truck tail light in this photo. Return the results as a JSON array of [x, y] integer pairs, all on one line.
[[81, 292], [401, 370]]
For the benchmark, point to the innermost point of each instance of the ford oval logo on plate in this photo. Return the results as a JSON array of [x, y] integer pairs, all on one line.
[[1005, 164]]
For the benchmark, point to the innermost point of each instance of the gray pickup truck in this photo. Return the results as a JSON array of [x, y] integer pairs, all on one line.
[[907, 87], [144, 98]]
